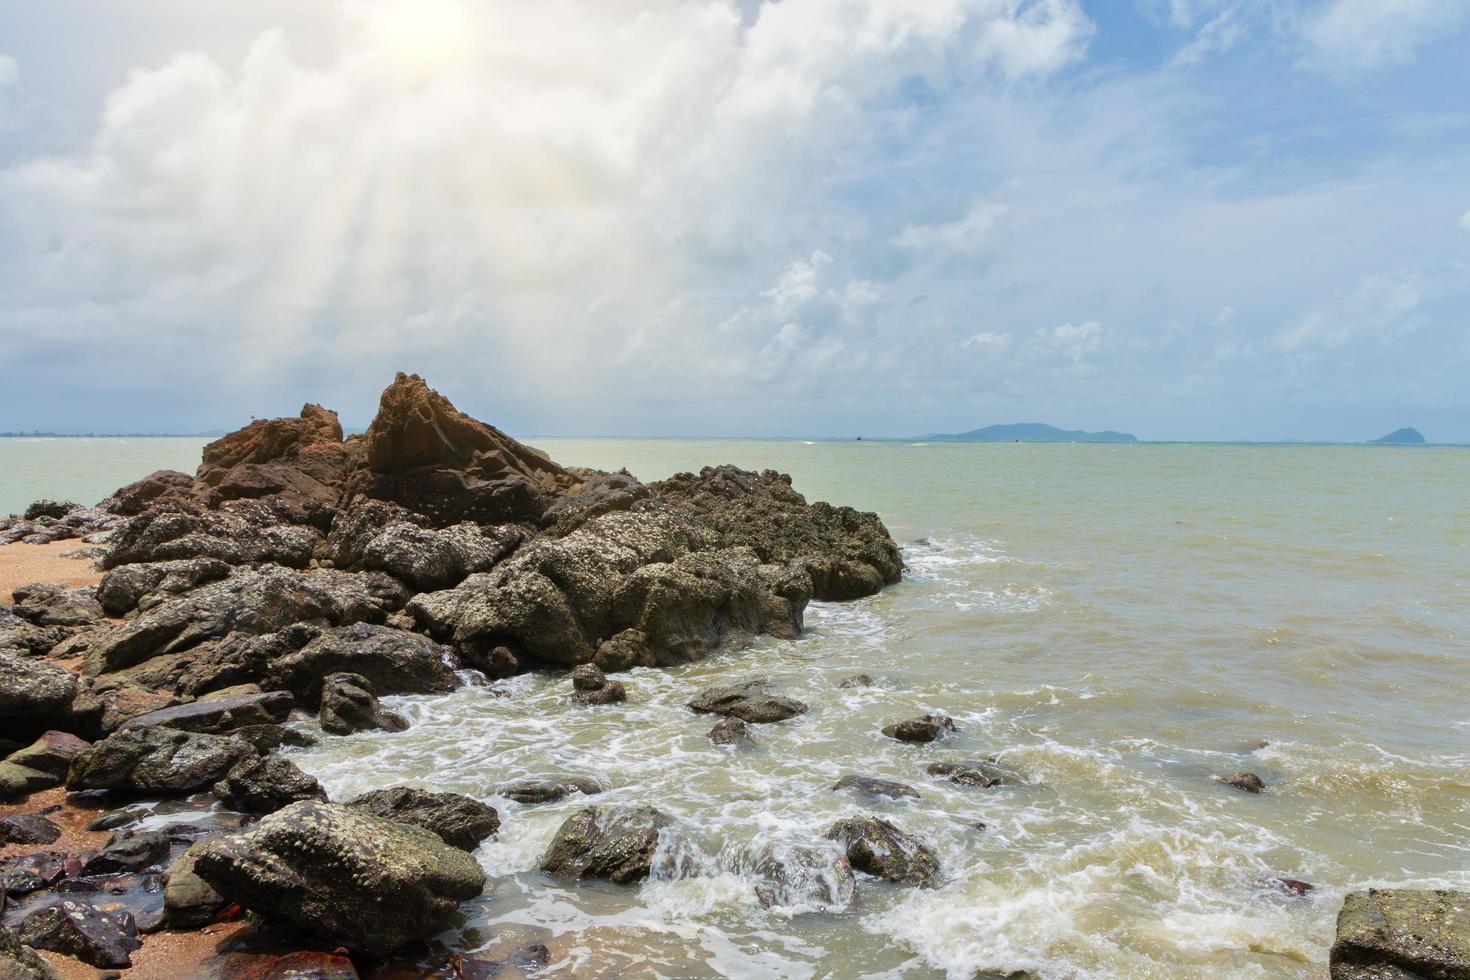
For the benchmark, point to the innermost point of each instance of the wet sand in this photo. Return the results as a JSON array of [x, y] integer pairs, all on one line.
[[23, 564]]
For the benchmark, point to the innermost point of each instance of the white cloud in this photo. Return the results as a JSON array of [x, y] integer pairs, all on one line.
[[1465, 222], [1072, 341], [988, 343], [1361, 35], [976, 229], [1381, 306]]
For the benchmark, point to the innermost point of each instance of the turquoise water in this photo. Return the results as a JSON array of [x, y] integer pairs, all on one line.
[[1116, 623]]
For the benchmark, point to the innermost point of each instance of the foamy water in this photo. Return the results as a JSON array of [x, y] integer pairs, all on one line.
[[1115, 624]]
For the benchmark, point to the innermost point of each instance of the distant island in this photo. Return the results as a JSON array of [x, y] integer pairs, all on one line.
[[1034, 432], [1400, 437], [112, 435]]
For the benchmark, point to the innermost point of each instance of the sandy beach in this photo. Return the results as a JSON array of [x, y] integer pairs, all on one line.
[[23, 564]]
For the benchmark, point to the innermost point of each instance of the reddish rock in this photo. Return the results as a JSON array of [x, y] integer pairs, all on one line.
[[302, 459]]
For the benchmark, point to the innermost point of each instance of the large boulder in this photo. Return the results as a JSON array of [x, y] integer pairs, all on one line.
[[613, 842], [217, 715], [459, 821], [1402, 934], [349, 705], [156, 760], [29, 688], [158, 486], [249, 602], [353, 878], [265, 785], [300, 460], [847, 554], [753, 701], [422, 452], [877, 847], [392, 661]]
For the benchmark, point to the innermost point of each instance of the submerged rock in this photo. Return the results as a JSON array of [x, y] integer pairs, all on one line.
[[528, 792], [927, 728], [729, 731], [1247, 781], [857, 680], [1402, 934], [813, 877], [980, 772], [135, 852], [753, 702], [156, 760], [877, 787], [353, 878], [86, 933], [265, 785], [590, 686], [349, 705], [459, 821], [878, 848], [614, 842]]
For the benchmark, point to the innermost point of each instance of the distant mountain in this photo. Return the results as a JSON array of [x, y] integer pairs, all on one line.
[[1400, 437], [1034, 432]]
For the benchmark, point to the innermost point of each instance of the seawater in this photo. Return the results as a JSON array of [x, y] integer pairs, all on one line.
[[1117, 624]]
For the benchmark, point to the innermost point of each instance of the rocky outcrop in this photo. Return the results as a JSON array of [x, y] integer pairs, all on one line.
[[374, 535], [156, 760], [353, 878], [162, 486], [927, 728], [348, 705], [301, 460], [265, 785], [238, 535], [51, 605], [847, 554], [754, 702], [614, 842], [142, 586], [459, 821], [1402, 934], [878, 848]]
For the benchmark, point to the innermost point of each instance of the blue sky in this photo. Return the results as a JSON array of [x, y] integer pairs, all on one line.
[[1182, 218]]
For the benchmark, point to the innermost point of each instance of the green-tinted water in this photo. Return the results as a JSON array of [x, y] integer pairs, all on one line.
[[1116, 623]]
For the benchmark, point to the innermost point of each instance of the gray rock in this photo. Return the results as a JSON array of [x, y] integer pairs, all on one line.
[[188, 900], [75, 607], [20, 962], [458, 820], [614, 842], [979, 772], [1402, 934], [265, 785], [143, 586], [753, 702], [218, 715], [28, 828], [857, 680], [156, 760], [132, 853], [79, 930], [878, 848], [367, 883], [626, 650], [29, 688], [238, 536], [51, 753], [378, 535], [392, 661], [50, 508], [729, 731], [927, 728], [529, 792], [135, 497], [18, 782], [348, 705], [869, 786]]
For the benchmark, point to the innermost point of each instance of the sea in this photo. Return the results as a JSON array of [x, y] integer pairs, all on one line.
[[1114, 624]]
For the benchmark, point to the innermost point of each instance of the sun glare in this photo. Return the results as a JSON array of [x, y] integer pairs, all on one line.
[[423, 37]]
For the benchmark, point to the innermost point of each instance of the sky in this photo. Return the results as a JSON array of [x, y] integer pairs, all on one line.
[[1187, 219]]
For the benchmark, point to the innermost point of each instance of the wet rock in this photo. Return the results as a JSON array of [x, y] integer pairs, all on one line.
[[1402, 934], [846, 554], [752, 702], [869, 786], [458, 820], [29, 688], [592, 687], [156, 760], [188, 900], [625, 651], [268, 738], [265, 785], [77, 929], [348, 705], [1247, 781], [422, 452], [981, 772], [20, 962], [113, 820], [51, 753], [806, 877], [927, 728], [392, 661], [27, 828], [729, 731], [312, 864], [529, 792], [136, 497], [857, 680], [1293, 886], [613, 842], [878, 848], [142, 586], [218, 715], [33, 872], [133, 853]]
